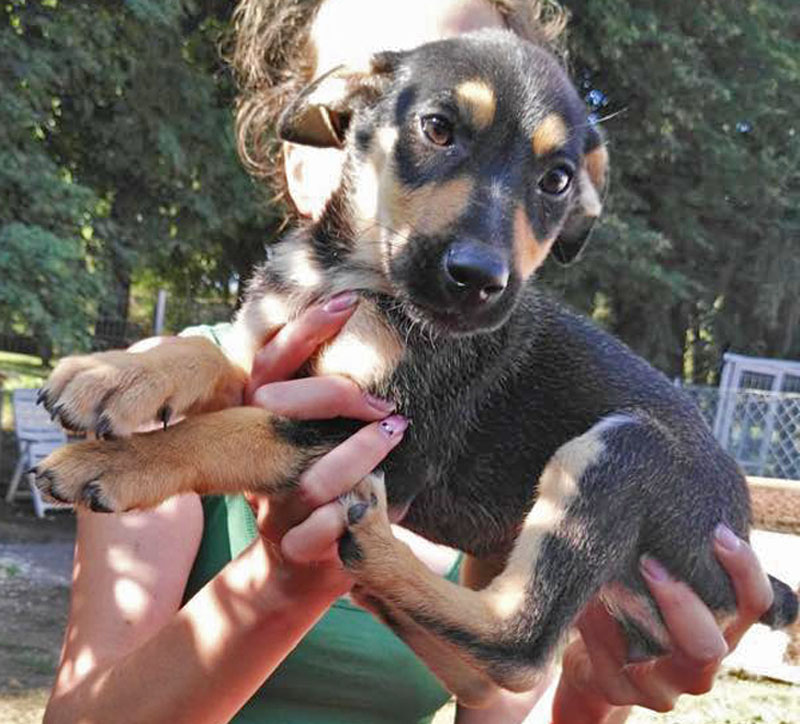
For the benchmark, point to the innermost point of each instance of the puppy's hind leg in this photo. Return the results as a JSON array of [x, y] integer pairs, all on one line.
[[508, 631]]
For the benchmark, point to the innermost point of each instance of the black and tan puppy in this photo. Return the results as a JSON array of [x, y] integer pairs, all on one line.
[[538, 441]]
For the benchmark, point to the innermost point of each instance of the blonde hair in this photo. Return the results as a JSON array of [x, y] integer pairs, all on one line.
[[273, 59]]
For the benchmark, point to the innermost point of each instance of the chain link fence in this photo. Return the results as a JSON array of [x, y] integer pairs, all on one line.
[[760, 429]]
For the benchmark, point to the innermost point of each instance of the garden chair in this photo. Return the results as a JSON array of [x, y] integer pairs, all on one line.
[[37, 436]]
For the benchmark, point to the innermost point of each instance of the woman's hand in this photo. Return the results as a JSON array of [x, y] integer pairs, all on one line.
[[596, 680], [303, 528]]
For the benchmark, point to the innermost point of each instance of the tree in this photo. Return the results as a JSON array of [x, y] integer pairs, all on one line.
[[124, 115], [698, 251]]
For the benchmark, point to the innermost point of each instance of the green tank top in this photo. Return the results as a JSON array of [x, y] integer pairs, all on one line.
[[349, 669]]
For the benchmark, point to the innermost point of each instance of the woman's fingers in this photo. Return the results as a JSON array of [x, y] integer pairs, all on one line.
[[337, 472], [316, 538], [321, 398], [753, 590], [698, 645], [289, 349], [322, 524], [692, 627]]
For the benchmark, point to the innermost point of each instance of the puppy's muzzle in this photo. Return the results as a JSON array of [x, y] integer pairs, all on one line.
[[474, 274]]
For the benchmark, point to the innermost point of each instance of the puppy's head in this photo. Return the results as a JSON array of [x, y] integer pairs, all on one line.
[[468, 160]]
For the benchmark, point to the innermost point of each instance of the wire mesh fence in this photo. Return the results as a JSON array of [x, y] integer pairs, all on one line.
[[759, 428]]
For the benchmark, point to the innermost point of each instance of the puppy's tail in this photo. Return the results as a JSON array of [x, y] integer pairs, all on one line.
[[783, 610]]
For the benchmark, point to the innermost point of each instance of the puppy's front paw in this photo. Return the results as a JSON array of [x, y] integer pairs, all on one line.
[[369, 535], [114, 393], [109, 393], [105, 477]]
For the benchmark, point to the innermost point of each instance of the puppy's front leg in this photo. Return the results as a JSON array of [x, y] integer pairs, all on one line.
[[227, 451]]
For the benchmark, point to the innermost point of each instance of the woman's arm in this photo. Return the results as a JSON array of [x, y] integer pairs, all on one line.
[[131, 655]]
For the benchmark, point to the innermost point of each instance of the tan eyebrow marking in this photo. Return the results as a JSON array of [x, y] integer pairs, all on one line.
[[479, 99], [549, 135]]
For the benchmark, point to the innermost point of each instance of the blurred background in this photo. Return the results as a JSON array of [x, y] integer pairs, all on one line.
[[120, 187]]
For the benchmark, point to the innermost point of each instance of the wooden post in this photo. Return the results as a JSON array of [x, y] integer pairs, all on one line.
[[160, 312]]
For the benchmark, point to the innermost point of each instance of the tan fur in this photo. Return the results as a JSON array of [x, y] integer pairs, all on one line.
[[549, 135], [406, 585], [478, 98], [596, 164], [196, 454], [558, 485], [427, 210], [529, 252], [367, 350], [189, 374]]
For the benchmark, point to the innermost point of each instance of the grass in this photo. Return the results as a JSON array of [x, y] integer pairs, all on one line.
[[21, 371], [9, 570]]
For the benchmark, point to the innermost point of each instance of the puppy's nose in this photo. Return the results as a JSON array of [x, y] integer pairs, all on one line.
[[475, 270]]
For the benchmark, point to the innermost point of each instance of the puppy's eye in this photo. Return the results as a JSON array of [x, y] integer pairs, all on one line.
[[556, 181], [437, 129]]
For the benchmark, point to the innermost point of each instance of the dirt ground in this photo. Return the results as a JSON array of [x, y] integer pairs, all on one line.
[[35, 561]]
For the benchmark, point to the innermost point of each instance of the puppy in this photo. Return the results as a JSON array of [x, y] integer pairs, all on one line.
[[540, 445]]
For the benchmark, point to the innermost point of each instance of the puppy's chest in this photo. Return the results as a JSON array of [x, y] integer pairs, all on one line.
[[367, 349]]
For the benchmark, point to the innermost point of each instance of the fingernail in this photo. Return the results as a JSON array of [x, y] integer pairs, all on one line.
[[653, 569], [394, 425], [727, 538], [385, 406], [340, 302]]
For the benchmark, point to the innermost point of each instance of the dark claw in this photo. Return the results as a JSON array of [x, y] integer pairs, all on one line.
[[45, 481], [164, 414], [42, 397], [90, 495], [52, 491], [54, 411], [350, 552], [103, 428], [356, 512]]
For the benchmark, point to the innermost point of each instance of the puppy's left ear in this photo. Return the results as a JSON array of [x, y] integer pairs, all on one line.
[[592, 181], [321, 114]]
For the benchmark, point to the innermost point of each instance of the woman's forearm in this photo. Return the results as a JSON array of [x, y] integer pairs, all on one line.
[[211, 656]]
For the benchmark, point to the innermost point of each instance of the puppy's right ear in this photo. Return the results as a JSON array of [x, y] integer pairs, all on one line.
[[321, 114], [592, 185]]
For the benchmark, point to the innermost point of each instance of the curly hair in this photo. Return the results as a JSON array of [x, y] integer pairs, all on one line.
[[273, 59]]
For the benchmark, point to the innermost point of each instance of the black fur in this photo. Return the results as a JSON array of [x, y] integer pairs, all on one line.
[[494, 393]]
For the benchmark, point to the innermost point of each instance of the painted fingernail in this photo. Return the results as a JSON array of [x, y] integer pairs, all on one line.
[[653, 569], [385, 406], [727, 538], [340, 302], [394, 425]]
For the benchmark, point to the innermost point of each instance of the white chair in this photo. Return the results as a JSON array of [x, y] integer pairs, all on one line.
[[37, 436]]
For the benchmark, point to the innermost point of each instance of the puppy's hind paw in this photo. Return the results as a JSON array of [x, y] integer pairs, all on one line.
[[365, 517]]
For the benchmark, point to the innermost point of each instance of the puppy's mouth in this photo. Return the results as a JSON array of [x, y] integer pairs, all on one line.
[[452, 322]]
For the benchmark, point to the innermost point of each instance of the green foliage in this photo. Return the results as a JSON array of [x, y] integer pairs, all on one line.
[[118, 152], [117, 168], [699, 249]]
